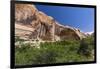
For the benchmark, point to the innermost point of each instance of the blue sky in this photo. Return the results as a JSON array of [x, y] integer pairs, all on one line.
[[81, 18]]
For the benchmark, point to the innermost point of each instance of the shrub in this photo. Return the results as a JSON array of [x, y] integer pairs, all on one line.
[[53, 52], [86, 46]]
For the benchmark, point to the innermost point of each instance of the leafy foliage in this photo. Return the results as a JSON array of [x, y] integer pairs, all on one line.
[[55, 52], [86, 46]]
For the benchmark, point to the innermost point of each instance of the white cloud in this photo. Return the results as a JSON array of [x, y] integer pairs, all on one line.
[[89, 32]]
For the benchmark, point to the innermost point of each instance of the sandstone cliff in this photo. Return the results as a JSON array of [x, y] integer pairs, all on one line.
[[30, 24]]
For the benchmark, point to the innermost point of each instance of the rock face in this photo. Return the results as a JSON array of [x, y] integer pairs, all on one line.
[[31, 24]]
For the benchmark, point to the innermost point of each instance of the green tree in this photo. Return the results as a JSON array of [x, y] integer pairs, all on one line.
[[84, 48]]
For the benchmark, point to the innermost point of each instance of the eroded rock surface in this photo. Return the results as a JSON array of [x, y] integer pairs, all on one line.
[[30, 24]]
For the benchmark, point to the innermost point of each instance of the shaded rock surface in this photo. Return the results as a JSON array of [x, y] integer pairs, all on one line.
[[30, 24]]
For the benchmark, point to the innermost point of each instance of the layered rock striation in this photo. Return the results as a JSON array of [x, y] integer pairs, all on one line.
[[31, 24]]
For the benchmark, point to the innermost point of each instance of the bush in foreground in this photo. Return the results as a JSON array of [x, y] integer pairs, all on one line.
[[51, 52]]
